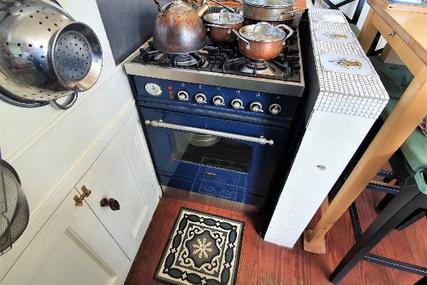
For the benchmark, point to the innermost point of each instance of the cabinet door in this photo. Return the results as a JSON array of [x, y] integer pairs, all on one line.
[[122, 172], [72, 248]]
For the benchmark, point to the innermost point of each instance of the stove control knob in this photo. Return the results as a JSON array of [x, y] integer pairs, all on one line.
[[256, 107], [275, 109], [237, 104], [200, 98], [218, 101], [183, 95]]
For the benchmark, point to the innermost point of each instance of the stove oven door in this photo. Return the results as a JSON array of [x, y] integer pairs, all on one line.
[[223, 158]]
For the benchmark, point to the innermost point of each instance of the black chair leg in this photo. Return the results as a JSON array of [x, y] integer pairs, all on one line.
[[422, 281], [413, 218], [398, 209], [384, 202]]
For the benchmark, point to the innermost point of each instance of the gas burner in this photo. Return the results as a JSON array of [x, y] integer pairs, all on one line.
[[186, 60], [259, 68], [256, 65], [254, 68], [151, 55]]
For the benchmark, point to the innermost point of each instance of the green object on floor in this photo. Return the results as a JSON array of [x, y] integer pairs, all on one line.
[[421, 182], [355, 29], [396, 78], [415, 147]]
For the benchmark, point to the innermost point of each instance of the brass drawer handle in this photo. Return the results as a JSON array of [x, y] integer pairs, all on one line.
[[78, 200], [392, 33]]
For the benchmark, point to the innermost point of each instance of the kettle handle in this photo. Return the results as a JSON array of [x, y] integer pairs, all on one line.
[[158, 6]]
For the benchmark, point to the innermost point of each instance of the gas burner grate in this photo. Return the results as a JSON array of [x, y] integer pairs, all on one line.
[[226, 58], [256, 69], [187, 60]]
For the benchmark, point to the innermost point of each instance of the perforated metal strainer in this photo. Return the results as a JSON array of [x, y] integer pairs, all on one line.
[[72, 56], [14, 211], [44, 53]]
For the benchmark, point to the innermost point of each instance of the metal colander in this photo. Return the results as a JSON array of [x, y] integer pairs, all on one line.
[[44, 53], [14, 211], [73, 56]]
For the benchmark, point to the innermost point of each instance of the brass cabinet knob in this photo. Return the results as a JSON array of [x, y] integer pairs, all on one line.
[[78, 199], [112, 203]]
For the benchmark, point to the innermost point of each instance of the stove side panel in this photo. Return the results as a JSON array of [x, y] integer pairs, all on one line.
[[338, 122]]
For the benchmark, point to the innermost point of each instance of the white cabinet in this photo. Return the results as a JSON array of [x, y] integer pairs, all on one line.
[[122, 172], [91, 244], [72, 248]]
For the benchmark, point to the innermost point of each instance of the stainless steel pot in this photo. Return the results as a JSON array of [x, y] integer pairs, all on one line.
[[262, 41], [202, 140], [179, 28], [220, 25], [269, 10], [45, 54]]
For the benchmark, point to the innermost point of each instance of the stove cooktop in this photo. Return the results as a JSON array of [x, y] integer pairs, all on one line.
[[226, 58], [222, 65]]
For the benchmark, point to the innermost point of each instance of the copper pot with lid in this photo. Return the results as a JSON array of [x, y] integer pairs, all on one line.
[[179, 28], [221, 24], [262, 41]]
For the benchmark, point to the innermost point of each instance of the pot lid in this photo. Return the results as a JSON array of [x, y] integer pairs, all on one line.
[[262, 32], [177, 6], [270, 3], [223, 18]]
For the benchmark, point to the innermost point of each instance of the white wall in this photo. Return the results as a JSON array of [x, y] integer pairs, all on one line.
[[44, 143], [52, 149]]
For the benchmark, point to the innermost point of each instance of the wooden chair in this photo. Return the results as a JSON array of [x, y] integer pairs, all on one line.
[[355, 18], [403, 205]]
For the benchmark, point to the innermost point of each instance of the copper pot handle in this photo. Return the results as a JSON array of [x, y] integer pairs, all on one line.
[[291, 32], [215, 26], [202, 10], [208, 26], [248, 44]]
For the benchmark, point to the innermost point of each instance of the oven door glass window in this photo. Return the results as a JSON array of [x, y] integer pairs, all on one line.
[[211, 151]]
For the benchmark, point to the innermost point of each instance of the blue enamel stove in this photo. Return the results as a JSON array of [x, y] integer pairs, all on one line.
[[213, 127]]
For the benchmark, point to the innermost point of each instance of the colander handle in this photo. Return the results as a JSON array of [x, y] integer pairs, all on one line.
[[71, 100]]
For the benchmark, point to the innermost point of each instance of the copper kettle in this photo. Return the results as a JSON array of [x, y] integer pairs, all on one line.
[[179, 28]]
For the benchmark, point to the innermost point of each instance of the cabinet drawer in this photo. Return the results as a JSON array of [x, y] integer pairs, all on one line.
[[228, 192], [73, 247], [222, 176]]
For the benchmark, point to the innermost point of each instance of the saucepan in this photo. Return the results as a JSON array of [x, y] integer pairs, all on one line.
[[262, 41], [221, 24], [269, 10]]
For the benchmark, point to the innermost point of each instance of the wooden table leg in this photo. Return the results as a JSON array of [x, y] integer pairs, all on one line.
[[408, 113], [368, 32]]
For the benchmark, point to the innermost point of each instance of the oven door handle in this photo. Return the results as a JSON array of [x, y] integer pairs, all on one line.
[[160, 124]]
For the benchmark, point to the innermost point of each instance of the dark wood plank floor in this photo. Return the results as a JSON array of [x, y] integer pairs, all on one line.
[[264, 263]]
